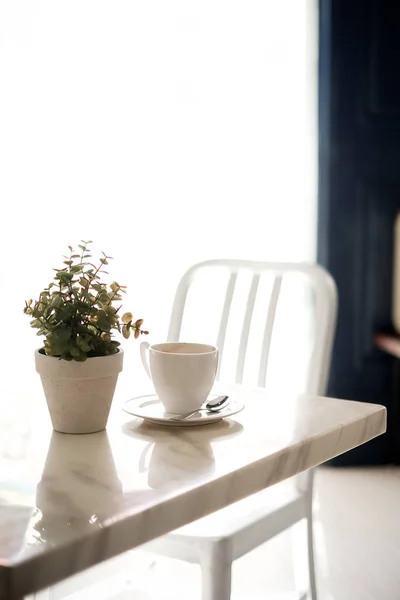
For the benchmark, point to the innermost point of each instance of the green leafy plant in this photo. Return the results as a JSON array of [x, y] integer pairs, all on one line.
[[77, 312]]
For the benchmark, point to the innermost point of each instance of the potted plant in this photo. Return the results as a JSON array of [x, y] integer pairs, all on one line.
[[77, 314]]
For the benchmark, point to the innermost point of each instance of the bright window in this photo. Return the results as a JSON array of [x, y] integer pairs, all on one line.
[[166, 131]]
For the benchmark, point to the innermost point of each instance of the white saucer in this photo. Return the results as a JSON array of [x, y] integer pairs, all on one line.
[[150, 409]]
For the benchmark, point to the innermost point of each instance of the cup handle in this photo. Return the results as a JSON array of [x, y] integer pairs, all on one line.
[[143, 347]]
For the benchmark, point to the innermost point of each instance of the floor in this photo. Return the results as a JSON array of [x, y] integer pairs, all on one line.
[[357, 543]]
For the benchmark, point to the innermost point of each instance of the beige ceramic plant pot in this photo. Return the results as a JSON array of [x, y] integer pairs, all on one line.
[[79, 394]]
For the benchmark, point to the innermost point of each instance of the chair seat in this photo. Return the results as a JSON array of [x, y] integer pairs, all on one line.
[[246, 524]]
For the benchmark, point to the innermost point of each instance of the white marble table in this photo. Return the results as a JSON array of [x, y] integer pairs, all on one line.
[[69, 502]]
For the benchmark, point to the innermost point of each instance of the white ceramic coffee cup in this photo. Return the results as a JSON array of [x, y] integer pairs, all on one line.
[[182, 373]]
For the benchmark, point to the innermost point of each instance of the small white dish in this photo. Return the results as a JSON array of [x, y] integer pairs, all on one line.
[[150, 409]]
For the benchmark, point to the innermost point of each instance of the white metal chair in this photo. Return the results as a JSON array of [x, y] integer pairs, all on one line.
[[214, 542]]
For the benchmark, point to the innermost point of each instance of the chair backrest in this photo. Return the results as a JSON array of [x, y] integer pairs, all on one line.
[[324, 303]]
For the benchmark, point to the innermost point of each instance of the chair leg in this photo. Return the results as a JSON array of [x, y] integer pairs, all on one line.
[[311, 561], [216, 573]]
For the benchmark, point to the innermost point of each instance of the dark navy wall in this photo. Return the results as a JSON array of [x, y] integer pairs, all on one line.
[[359, 192]]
